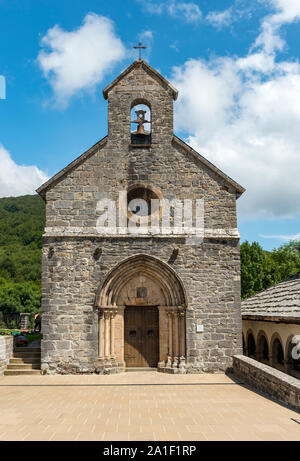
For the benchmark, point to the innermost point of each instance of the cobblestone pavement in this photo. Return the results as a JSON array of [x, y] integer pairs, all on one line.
[[139, 406]]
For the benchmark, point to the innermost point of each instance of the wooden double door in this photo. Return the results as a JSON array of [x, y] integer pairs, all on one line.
[[141, 336]]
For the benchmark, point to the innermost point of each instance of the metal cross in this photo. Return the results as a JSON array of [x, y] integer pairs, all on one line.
[[140, 47]]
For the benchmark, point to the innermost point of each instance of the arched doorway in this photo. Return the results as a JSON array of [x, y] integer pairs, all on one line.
[[142, 316]]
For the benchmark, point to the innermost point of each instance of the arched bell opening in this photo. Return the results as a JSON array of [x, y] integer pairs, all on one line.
[[140, 122], [143, 300]]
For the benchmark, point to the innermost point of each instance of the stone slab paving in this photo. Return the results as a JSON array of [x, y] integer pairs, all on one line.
[[139, 406]]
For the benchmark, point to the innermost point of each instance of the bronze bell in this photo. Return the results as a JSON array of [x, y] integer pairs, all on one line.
[[140, 120], [140, 129]]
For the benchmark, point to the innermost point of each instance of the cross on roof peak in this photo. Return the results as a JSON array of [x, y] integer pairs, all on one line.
[[140, 47]]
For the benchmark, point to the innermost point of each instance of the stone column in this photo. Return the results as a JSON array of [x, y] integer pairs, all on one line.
[[176, 340], [170, 338], [107, 336], [112, 335], [121, 334], [182, 339], [100, 335], [24, 320]]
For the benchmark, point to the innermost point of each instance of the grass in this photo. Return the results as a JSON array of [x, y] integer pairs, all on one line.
[[6, 331]]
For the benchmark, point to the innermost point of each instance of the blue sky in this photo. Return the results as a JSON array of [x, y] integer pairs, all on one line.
[[236, 68]]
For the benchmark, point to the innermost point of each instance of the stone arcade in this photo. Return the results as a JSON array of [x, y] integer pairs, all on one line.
[[113, 300]]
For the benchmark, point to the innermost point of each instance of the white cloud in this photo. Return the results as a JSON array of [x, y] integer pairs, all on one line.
[[283, 237], [220, 19], [77, 60], [152, 7], [286, 11], [146, 38], [147, 35], [243, 114], [238, 9], [188, 11], [18, 179]]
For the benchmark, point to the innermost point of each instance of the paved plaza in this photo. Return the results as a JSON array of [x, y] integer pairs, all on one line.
[[140, 406]]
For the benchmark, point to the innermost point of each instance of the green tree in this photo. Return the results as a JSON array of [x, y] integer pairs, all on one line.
[[260, 269], [256, 269], [285, 260], [19, 297], [22, 221]]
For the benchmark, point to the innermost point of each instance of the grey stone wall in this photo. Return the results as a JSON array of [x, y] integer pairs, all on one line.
[[278, 385], [71, 278], [117, 165], [140, 86], [72, 202], [6, 351]]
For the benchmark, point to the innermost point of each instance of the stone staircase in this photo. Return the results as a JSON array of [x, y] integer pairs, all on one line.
[[25, 361]]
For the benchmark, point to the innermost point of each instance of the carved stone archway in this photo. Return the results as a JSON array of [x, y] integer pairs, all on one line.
[[142, 281]]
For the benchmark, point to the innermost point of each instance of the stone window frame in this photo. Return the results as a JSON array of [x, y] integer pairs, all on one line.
[[143, 185]]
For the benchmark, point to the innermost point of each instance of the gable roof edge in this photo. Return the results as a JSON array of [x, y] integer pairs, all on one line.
[[139, 62], [240, 189], [44, 187]]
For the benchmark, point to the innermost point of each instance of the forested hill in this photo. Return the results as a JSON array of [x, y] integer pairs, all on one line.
[[22, 221]]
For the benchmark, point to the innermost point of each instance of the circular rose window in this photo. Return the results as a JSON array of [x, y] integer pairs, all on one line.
[[142, 201]]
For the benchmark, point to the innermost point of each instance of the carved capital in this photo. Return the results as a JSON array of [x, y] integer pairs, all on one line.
[[107, 312], [113, 313], [176, 311]]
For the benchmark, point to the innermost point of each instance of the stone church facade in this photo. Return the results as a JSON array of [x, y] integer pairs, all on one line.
[[113, 300]]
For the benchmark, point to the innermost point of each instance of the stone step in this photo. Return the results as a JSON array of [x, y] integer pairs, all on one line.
[[25, 360], [129, 369], [24, 366], [27, 349], [26, 355], [21, 372]]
